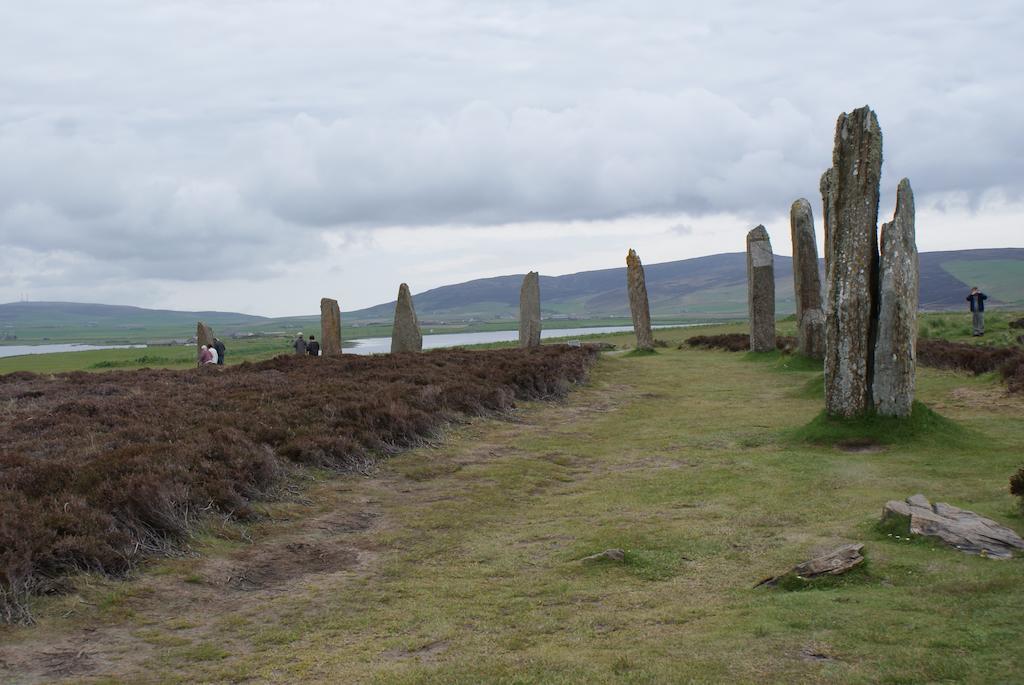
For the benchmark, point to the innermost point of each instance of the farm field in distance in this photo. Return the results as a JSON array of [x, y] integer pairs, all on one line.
[[459, 562]]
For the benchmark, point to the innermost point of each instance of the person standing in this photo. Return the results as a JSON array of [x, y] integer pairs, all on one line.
[[300, 346], [977, 300], [219, 347], [313, 347]]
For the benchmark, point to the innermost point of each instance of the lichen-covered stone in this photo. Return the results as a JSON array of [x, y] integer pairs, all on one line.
[[807, 282], [959, 528], [761, 290], [851, 214], [638, 303], [204, 336], [529, 311], [406, 335], [896, 345], [330, 327]]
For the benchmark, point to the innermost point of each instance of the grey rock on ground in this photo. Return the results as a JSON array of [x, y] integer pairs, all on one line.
[[204, 336], [892, 387], [761, 290], [957, 528], [529, 311], [639, 306], [330, 327], [807, 282], [609, 554], [406, 335], [833, 563], [850, 195]]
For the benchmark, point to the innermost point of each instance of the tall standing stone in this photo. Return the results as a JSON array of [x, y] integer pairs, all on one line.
[[898, 279], [761, 290], [529, 311], [810, 319], [330, 327], [405, 336], [851, 215], [638, 304], [204, 336]]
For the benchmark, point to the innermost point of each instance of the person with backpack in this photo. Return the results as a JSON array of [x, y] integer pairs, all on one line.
[[977, 301], [313, 347]]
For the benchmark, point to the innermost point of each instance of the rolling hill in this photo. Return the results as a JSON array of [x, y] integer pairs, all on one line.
[[700, 288], [713, 286]]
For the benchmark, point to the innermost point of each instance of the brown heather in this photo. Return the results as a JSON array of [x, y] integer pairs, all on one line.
[[938, 354], [98, 471]]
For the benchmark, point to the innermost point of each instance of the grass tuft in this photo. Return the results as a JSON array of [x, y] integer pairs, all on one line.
[[923, 425]]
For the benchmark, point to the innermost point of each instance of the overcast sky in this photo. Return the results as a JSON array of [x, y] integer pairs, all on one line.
[[254, 156]]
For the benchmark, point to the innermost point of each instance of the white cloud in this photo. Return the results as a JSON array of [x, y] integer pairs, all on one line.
[[223, 149]]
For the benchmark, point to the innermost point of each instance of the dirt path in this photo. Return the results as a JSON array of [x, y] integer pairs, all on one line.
[[332, 540]]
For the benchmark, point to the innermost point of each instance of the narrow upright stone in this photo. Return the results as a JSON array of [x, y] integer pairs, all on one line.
[[898, 278], [851, 214], [761, 290], [204, 336], [330, 327], [810, 320], [405, 336], [638, 304], [529, 311]]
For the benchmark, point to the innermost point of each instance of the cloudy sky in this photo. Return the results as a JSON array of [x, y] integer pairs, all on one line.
[[256, 155]]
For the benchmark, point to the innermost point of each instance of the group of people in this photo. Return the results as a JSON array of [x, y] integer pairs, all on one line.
[[212, 354], [310, 348]]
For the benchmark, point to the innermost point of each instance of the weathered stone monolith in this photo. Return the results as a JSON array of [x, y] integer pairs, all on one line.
[[638, 304], [850, 194], [896, 344], [204, 336], [761, 290], [405, 336], [330, 327], [810, 319], [529, 311]]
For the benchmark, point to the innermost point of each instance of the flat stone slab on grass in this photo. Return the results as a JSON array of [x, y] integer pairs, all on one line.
[[834, 563], [959, 528]]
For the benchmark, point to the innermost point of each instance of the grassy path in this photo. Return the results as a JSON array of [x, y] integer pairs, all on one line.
[[460, 563]]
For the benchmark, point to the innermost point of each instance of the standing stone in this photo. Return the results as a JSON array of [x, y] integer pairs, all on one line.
[[851, 215], [204, 336], [330, 327], [529, 311], [405, 336], [638, 304], [896, 347], [810, 319], [761, 290]]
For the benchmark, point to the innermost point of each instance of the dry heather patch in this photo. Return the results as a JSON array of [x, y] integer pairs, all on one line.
[[100, 470], [937, 354]]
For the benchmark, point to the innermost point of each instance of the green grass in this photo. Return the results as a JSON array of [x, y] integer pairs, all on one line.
[[1002, 279], [711, 470]]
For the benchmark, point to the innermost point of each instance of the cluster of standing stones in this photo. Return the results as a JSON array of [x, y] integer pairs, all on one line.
[[866, 333]]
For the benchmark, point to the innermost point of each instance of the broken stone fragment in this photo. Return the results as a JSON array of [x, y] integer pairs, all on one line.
[[955, 527], [608, 554], [834, 563]]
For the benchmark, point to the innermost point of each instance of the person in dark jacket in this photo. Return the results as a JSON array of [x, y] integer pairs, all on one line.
[[977, 300], [313, 347], [219, 346], [300, 345]]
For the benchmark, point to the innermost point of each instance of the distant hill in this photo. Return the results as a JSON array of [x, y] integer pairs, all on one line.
[[713, 286], [705, 287]]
